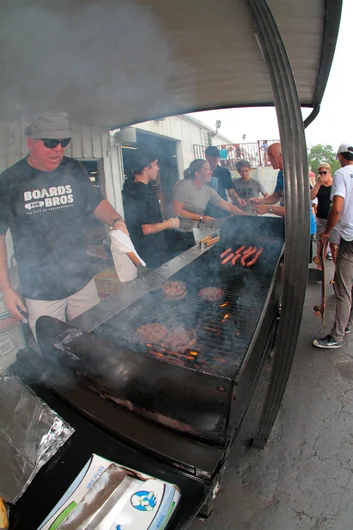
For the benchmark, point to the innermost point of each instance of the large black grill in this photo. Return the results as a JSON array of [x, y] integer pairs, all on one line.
[[204, 390]]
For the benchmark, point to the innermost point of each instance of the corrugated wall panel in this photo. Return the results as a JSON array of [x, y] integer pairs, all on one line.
[[180, 128]]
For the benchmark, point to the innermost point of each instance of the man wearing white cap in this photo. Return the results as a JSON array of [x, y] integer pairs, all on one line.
[[341, 209], [46, 200]]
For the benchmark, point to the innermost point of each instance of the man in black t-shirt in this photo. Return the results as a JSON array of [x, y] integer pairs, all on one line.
[[221, 182], [143, 213], [45, 201]]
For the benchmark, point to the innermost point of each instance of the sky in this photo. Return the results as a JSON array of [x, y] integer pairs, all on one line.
[[333, 125]]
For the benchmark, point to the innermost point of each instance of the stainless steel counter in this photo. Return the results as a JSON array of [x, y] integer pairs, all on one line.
[[131, 291]]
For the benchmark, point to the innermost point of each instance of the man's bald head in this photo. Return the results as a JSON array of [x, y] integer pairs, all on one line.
[[275, 155]]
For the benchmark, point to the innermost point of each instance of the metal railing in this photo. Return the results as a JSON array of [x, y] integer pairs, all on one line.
[[230, 154]]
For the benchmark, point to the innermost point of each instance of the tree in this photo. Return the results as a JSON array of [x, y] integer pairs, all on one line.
[[322, 153]]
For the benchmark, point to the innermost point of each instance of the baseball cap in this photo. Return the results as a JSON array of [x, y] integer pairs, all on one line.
[[212, 150], [50, 125], [345, 148]]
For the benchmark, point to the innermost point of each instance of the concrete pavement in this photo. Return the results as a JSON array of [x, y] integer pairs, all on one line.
[[303, 480]]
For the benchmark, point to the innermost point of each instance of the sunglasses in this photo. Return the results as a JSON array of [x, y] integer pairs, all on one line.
[[322, 172], [51, 143]]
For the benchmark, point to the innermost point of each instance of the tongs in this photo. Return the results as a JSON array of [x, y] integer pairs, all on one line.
[[153, 280]]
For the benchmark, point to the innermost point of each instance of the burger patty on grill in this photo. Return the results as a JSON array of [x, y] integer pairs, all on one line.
[[153, 332], [211, 293], [180, 339], [174, 289]]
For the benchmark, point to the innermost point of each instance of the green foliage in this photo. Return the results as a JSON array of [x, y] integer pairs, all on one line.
[[322, 153]]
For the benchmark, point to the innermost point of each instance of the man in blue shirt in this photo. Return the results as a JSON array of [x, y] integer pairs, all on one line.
[[265, 205], [269, 204]]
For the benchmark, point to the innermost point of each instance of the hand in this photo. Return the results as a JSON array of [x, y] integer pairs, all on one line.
[[14, 304], [320, 180], [254, 200], [324, 236], [173, 222], [206, 219], [261, 209], [120, 225], [241, 202]]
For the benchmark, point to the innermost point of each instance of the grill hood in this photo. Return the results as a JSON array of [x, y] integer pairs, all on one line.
[[110, 63]]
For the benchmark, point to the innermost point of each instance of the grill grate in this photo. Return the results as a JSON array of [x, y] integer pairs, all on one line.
[[223, 329]]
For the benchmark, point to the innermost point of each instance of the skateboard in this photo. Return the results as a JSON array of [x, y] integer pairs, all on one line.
[[320, 310]]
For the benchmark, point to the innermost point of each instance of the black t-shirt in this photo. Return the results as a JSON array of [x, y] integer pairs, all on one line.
[[141, 206], [47, 213], [323, 202], [221, 181]]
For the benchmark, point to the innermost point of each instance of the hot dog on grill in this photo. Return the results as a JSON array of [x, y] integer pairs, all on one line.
[[223, 255], [246, 255], [228, 258], [240, 250], [246, 252], [236, 257], [255, 258]]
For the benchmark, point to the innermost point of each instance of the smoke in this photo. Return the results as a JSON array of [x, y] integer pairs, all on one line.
[[95, 59]]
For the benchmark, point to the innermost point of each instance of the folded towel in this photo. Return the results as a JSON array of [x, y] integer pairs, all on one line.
[[123, 243]]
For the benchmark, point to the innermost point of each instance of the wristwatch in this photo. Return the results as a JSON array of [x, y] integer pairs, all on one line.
[[270, 209], [116, 220]]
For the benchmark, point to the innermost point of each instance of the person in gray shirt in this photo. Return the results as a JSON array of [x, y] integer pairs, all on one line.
[[191, 196], [246, 187]]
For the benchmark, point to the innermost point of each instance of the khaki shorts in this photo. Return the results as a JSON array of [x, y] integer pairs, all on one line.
[[65, 309], [335, 233]]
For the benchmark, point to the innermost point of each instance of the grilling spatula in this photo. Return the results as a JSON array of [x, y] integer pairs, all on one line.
[[153, 280]]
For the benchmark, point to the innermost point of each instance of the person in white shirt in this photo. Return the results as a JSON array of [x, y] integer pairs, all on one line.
[[341, 209]]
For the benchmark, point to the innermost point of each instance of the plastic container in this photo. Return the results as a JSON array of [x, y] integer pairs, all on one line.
[[107, 282]]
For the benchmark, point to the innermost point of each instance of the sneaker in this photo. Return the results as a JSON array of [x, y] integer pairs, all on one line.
[[347, 330], [329, 256], [327, 342]]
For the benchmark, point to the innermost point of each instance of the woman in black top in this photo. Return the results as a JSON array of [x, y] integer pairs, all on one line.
[[322, 190]]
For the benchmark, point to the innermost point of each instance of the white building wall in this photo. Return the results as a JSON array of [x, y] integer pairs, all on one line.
[[187, 131]]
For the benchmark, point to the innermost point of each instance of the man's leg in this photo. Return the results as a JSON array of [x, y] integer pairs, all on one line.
[[343, 291], [350, 321], [83, 300], [39, 308]]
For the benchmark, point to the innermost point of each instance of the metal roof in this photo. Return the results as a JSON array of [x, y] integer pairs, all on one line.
[[116, 62]]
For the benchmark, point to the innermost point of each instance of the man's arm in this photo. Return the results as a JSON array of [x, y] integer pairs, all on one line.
[[333, 216], [270, 199], [12, 300], [106, 213], [261, 209]]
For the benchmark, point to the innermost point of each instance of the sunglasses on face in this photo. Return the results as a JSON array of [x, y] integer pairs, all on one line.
[[322, 172], [51, 143]]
